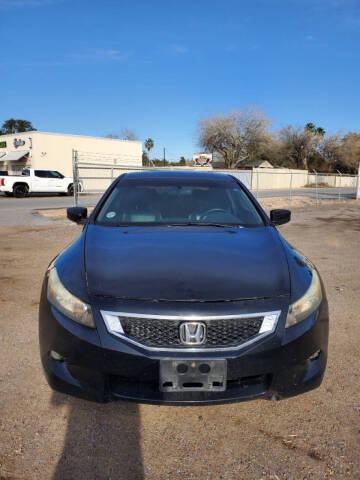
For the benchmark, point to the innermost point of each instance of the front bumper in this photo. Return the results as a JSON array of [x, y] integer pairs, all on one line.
[[97, 366]]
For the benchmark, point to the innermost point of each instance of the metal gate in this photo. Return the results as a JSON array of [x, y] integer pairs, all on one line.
[[94, 172]]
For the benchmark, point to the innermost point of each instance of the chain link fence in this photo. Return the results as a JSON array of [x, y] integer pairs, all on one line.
[[94, 172]]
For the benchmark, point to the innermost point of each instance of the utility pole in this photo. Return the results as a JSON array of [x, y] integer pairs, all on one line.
[[164, 158]]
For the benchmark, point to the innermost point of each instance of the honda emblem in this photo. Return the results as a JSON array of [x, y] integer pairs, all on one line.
[[192, 333]]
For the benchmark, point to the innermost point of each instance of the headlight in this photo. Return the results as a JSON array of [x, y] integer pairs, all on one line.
[[66, 302], [307, 304]]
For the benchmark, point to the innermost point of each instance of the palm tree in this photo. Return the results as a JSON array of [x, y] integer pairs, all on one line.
[[310, 127], [9, 126], [23, 126], [16, 126], [149, 144]]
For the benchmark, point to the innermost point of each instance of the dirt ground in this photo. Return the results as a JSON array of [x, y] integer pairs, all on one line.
[[46, 435]]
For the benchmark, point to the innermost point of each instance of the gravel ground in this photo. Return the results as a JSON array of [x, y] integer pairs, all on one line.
[[46, 435]]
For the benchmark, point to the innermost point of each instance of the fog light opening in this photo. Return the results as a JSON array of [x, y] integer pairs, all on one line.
[[56, 356], [204, 368], [315, 355], [182, 368]]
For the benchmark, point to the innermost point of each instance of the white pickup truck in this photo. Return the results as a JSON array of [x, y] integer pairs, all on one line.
[[36, 181]]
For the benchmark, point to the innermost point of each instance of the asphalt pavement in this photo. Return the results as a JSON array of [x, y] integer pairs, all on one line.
[[23, 211]]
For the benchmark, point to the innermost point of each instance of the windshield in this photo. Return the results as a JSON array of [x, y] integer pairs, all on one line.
[[178, 201]]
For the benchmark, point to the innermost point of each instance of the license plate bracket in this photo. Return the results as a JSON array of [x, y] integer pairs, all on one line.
[[193, 375]]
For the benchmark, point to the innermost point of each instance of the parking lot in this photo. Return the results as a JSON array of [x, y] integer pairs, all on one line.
[[49, 435]]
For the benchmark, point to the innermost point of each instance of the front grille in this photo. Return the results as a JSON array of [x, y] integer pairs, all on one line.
[[224, 332]]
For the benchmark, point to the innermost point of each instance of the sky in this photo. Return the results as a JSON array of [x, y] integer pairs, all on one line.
[[94, 67]]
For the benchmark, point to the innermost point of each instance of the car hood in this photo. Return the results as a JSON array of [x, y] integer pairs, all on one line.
[[185, 263]]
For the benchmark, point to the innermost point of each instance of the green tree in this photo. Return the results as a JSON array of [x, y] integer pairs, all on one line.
[[145, 159], [320, 132], [13, 125], [310, 127], [149, 144], [157, 162], [24, 126]]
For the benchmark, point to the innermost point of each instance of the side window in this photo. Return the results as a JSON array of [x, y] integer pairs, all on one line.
[[54, 174], [40, 173]]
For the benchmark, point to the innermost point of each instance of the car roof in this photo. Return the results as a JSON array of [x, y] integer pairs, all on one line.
[[167, 174]]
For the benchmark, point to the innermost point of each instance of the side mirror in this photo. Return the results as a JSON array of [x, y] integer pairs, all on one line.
[[280, 216], [77, 214]]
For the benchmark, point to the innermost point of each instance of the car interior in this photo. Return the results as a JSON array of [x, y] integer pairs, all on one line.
[[174, 204]]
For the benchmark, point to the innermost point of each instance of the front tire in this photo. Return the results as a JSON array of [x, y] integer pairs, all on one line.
[[20, 191], [70, 190]]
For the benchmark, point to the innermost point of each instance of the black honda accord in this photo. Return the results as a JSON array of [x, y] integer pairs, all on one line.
[[180, 290]]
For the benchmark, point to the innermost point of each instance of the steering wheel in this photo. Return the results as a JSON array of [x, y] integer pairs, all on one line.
[[204, 215]]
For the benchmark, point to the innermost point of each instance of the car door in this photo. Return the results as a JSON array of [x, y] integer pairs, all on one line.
[[40, 181], [56, 181]]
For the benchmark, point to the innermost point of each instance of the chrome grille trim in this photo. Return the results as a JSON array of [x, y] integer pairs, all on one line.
[[185, 318]]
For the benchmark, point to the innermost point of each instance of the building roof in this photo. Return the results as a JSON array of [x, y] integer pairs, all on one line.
[[35, 132], [255, 163]]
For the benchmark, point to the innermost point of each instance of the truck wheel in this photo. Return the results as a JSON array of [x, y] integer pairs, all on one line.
[[20, 191], [9, 194], [70, 190]]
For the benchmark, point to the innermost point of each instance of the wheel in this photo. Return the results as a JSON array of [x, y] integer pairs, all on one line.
[[9, 194], [21, 190], [70, 190]]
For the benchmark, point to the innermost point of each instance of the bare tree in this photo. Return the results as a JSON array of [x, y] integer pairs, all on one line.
[[350, 152], [112, 135], [330, 150], [128, 134], [236, 135], [298, 144]]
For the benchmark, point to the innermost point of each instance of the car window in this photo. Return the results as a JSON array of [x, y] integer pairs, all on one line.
[[41, 173], [54, 174], [178, 201]]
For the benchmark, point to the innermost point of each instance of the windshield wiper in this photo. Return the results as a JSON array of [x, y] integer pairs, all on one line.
[[203, 224]]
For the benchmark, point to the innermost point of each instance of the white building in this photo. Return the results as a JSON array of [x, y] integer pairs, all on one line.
[[53, 151]]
